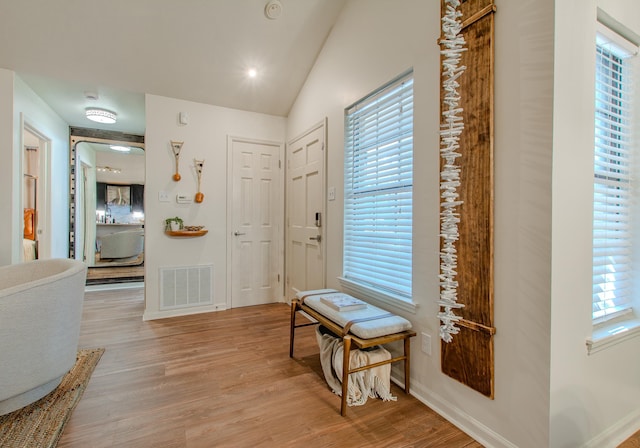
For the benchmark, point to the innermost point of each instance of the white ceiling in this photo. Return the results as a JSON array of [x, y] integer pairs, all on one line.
[[131, 165], [196, 50]]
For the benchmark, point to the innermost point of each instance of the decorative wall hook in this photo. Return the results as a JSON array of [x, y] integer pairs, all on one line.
[[176, 147], [199, 164]]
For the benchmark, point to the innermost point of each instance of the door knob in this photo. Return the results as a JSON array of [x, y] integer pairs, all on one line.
[[236, 233], [316, 238]]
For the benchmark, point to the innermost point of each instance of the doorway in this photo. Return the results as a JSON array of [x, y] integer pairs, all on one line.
[[306, 164], [255, 217], [35, 150]]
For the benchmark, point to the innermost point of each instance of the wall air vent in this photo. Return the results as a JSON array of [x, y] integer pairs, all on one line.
[[186, 286]]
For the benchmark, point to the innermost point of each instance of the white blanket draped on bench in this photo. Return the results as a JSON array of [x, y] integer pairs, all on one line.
[[370, 383], [354, 363]]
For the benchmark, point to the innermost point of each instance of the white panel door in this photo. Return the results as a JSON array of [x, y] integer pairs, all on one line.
[[305, 211], [256, 223]]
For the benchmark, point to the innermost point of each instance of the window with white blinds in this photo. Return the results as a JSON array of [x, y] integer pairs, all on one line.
[[613, 172], [378, 207]]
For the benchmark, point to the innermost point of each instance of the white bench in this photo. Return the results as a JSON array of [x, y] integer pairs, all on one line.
[[362, 328]]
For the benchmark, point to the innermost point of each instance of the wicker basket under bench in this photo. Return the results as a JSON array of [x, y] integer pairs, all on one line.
[[351, 328]]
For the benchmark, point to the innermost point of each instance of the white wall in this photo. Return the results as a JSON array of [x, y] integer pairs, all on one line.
[[374, 41], [523, 149], [18, 103], [204, 137], [594, 399], [7, 168]]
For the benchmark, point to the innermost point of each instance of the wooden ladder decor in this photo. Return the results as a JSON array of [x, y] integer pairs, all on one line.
[[469, 357]]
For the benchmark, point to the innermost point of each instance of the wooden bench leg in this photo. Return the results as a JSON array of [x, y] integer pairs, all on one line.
[[346, 356], [292, 331], [407, 364]]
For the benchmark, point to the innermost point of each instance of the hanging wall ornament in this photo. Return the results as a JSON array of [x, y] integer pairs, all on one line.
[[176, 147], [199, 164], [453, 45]]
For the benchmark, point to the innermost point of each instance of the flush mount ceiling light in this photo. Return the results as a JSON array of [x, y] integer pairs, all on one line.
[[252, 73], [109, 169], [100, 115], [120, 148]]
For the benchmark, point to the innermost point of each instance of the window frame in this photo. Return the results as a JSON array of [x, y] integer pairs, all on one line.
[[623, 324], [613, 176], [388, 153]]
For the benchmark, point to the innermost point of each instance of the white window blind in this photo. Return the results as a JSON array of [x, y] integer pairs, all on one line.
[[378, 208], [612, 226]]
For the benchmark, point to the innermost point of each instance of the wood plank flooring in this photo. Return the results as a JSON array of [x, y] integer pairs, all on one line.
[[114, 274], [631, 442], [226, 379], [96, 275]]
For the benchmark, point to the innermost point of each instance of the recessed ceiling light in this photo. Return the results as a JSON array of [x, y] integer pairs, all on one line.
[[100, 115], [252, 73], [120, 148]]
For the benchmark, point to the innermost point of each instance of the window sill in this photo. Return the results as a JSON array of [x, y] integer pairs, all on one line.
[[383, 299], [613, 333]]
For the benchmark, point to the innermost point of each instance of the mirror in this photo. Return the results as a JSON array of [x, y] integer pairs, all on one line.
[[107, 217]]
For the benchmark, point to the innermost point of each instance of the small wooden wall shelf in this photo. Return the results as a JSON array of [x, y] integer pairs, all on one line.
[[186, 233]]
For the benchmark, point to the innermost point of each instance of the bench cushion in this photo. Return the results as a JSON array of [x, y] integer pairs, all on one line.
[[365, 330]]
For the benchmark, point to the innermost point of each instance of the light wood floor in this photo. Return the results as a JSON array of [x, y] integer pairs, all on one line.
[[226, 379], [116, 273], [631, 442]]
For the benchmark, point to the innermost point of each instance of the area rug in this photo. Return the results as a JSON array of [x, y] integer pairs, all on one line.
[[40, 424], [136, 260]]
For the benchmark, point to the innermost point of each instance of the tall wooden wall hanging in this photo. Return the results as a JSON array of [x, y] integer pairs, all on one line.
[[467, 269]]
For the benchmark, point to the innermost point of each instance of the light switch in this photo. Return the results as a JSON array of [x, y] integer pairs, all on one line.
[[332, 193], [163, 196]]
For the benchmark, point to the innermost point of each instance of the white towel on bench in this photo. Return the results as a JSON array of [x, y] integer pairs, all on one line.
[[374, 382], [366, 330]]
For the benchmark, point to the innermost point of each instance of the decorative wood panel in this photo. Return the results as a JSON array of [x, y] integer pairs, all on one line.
[[469, 357]]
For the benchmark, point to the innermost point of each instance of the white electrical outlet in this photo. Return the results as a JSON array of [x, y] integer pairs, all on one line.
[[426, 344]]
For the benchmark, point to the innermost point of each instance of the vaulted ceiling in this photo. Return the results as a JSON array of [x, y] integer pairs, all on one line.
[[196, 50]]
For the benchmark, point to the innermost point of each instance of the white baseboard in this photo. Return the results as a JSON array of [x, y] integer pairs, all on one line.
[[177, 312], [610, 438], [617, 433], [113, 286], [458, 417], [147, 315]]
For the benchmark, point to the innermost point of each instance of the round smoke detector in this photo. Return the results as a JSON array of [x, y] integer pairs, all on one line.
[[273, 9]]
